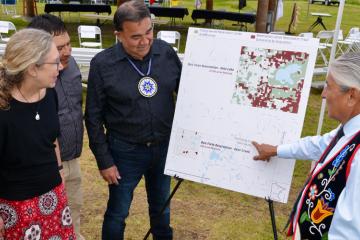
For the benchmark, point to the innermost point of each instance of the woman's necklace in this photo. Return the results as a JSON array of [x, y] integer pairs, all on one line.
[[37, 115]]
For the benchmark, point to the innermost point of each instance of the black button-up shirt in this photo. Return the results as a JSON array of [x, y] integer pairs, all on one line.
[[114, 101]]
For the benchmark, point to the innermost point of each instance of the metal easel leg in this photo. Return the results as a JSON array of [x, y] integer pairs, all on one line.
[[272, 215], [180, 180]]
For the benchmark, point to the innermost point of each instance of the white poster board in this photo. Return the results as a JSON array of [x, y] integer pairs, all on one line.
[[238, 87]]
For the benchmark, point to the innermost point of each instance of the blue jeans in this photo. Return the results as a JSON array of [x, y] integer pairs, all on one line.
[[133, 161]]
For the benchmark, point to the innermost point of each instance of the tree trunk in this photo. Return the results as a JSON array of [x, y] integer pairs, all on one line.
[[272, 9], [119, 2], [261, 16], [209, 6], [29, 8], [272, 5]]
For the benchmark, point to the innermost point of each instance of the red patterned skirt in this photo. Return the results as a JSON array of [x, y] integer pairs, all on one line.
[[46, 217]]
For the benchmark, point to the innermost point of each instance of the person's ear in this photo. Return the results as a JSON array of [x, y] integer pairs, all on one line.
[[32, 70], [353, 97], [117, 35]]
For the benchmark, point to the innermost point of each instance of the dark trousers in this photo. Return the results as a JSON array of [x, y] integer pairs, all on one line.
[[134, 161]]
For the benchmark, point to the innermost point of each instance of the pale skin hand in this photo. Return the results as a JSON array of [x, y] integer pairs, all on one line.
[[2, 228], [111, 175], [266, 151]]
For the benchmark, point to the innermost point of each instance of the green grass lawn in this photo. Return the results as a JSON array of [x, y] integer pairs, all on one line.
[[200, 211]]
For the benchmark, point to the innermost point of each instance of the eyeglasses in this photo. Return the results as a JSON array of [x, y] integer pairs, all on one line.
[[57, 62]]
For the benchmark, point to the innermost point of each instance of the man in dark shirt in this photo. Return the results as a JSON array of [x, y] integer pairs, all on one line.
[[69, 91], [130, 94]]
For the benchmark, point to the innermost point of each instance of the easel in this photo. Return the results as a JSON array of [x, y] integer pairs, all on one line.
[[180, 180], [272, 216]]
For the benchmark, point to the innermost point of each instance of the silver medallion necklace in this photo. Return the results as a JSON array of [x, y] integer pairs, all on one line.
[[37, 115], [147, 86]]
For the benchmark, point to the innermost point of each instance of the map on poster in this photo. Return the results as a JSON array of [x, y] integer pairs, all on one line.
[[238, 87], [270, 78]]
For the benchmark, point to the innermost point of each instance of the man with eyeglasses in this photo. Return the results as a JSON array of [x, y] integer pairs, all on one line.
[[130, 93], [69, 90]]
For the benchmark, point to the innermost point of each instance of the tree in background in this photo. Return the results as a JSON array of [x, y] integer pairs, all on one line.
[[29, 8], [261, 16], [266, 9], [209, 6], [119, 2]]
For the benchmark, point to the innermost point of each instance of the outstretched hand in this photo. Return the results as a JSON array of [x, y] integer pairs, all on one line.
[[266, 151]]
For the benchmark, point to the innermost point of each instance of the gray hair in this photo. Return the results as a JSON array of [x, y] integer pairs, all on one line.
[[346, 70], [133, 11]]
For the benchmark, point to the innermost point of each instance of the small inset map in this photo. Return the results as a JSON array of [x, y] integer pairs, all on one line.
[[269, 78], [187, 143]]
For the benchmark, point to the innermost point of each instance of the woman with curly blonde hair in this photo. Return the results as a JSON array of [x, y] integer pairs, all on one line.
[[33, 202]]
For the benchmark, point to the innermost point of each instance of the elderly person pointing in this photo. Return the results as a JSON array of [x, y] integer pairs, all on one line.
[[328, 205]]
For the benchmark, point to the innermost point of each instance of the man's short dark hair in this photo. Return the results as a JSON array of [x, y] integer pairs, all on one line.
[[49, 23], [133, 11]]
